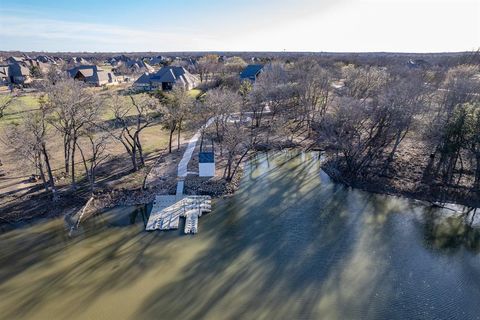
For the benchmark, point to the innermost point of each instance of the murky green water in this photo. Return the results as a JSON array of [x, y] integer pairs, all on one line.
[[289, 245]]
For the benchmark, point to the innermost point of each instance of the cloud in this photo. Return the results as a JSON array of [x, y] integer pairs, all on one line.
[[91, 35], [293, 25]]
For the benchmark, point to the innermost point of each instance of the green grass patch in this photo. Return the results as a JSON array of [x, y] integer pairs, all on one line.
[[18, 108], [195, 93]]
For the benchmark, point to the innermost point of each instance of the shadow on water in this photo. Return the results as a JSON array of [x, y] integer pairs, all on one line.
[[273, 252], [97, 260], [290, 244]]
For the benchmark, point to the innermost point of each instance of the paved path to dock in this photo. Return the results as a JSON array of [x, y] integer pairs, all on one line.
[[187, 156]]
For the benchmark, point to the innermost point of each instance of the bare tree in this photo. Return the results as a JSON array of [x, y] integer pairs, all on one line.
[[238, 140], [220, 104], [459, 87], [29, 142], [406, 96], [95, 156], [71, 106], [274, 90], [207, 66], [131, 118], [177, 105], [313, 90]]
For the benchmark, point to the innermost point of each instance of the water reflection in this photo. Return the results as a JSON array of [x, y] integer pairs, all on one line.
[[290, 244], [452, 232]]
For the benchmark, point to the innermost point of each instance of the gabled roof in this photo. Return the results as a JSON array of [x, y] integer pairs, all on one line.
[[144, 79], [85, 70], [169, 75], [92, 74], [251, 71], [173, 75], [18, 70], [15, 59]]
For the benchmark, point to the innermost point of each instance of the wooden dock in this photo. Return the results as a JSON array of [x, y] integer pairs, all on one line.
[[167, 211]]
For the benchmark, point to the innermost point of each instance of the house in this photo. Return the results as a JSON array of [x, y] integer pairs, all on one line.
[[35, 64], [4, 75], [19, 73], [143, 82], [138, 66], [93, 75], [251, 72], [125, 64], [158, 60], [166, 78], [206, 164], [46, 59], [77, 61]]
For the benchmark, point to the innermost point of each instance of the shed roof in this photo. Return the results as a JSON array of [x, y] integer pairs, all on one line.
[[206, 157]]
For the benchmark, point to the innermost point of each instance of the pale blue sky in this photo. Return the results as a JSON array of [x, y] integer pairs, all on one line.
[[247, 25]]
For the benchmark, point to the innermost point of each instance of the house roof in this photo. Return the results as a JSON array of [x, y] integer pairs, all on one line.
[[15, 59], [85, 70], [18, 70], [169, 74], [92, 73], [144, 79], [139, 64], [206, 157], [251, 71]]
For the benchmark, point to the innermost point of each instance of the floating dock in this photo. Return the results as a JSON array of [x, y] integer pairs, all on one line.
[[167, 211]]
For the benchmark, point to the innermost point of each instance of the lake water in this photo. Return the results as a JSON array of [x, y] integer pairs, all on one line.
[[289, 245]]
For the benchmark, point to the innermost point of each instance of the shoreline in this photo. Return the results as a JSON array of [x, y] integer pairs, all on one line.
[[220, 188], [422, 192]]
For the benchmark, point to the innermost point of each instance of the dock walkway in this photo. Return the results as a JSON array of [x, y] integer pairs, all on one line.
[[167, 211]]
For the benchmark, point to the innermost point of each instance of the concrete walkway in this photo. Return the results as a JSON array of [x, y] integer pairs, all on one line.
[[187, 156]]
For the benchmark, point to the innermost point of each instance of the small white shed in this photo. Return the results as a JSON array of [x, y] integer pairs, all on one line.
[[206, 164]]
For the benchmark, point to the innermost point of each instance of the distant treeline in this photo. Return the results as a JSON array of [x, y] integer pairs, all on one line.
[[442, 59]]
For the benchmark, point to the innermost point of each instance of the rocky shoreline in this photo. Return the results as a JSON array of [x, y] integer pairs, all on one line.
[[214, 187], [437, 195], [218, 187]]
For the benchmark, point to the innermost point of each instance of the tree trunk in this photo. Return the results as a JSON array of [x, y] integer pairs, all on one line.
[[92, 178], [42, 173], [238, 163], [87, 170], [134, 158], [49, 171], [170, 139], [476, 184], [74, 183], [140, 150], [178, 135], [66, 153], [201, 141]]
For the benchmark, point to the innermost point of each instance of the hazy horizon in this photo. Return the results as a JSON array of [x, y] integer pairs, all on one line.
[[343, 26]]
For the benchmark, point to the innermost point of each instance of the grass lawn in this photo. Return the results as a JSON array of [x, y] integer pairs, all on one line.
[[19, 106]]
